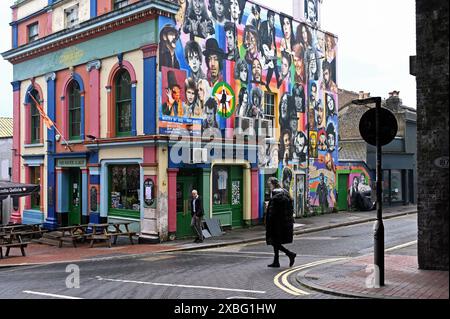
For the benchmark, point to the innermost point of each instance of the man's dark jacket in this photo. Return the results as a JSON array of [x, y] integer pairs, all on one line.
[[280, 218], [198, 207]]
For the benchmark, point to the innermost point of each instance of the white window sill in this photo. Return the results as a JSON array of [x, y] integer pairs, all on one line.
[[72, 142], [33, 145]]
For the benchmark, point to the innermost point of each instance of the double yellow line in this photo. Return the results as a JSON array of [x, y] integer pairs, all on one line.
[[282, 282]]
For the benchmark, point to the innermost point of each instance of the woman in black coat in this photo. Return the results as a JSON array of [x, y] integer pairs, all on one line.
[[280, 222]]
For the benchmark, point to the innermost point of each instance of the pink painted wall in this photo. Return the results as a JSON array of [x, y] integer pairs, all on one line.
[[172, 200], [16, 137], [92, 125], [44, 28]]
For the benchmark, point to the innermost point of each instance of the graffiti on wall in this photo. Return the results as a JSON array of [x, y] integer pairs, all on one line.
[[359, 196], [234, 64]]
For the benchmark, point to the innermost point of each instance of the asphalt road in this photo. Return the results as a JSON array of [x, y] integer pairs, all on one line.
[[238, 271]]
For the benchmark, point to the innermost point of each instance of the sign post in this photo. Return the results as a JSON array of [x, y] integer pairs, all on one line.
[[372, 132]]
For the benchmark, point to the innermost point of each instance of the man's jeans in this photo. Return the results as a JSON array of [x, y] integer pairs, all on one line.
[[196, 223]]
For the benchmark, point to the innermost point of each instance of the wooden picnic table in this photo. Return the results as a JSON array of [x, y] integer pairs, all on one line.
[[11, 240], [71, 234], [104, 233]]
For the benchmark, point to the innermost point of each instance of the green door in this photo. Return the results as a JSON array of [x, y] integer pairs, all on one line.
[[185, 185], [236, 194], [342, 191], [74, 197]]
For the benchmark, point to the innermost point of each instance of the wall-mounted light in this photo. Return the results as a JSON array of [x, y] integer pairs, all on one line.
[[57, 137]]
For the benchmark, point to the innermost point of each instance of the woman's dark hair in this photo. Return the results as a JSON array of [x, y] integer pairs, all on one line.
[[274, 181], [226, 8]]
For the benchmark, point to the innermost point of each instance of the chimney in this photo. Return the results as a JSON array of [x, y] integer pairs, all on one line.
[[361, 95], [394, 102]]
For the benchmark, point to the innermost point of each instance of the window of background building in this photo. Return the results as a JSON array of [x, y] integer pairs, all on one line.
[[71, 16], [124, 190], [35, 178], [221, 176], [396, 186], [386, 187], [123, 103], [35, 119], [33, 32], [120, 4], [74, 110]]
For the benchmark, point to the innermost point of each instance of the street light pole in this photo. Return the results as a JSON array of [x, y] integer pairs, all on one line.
[[378, 226]]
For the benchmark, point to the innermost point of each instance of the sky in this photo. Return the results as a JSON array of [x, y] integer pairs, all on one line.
[[376, 39]]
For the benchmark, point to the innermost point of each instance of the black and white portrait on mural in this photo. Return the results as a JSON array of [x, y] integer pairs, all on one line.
[[331, 105], [241, 71], [168, 38], [300, 147], [256, 110], [232, 53], [220, 10], [299, 96], [269, 54], [194, 58], [197, 21], [311, 12], [243, 109]]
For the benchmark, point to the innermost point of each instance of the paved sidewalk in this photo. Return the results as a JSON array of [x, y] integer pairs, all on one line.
[[43, 254], [403, 280]]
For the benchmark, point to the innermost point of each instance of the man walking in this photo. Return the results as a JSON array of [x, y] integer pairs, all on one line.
[[279, 222], [197, 214]]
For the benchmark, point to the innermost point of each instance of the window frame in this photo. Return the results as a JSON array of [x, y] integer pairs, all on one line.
[[35, 178], [119, 103], [34, 37], [35, 119], [122, 212], [71, 108], [119, 4], [74, 22]]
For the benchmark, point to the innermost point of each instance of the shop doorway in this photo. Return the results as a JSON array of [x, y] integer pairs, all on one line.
[[343, 191], [185, 185], [299, 201], [74, 196]]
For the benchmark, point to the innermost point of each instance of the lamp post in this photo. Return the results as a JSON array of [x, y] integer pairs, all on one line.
[[378, 226]]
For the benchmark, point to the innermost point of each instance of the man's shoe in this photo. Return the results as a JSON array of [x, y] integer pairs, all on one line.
[[196, 240], [274, 265], [292, 259]]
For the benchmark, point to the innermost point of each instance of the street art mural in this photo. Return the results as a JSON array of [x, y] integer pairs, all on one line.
[[235, 64]]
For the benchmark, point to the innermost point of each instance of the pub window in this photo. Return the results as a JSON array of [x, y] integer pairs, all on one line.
[[269, 102], [396, 186], [221, 176], [74, 110], [120, 4], [35, 119], [35, 178], [124, 190], [71, 16], [123, 103], [33, 32]]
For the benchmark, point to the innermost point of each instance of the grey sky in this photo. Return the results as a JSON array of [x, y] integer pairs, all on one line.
[[376, 39]]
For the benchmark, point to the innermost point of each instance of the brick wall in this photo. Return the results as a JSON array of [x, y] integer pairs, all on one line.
[[432, 132]]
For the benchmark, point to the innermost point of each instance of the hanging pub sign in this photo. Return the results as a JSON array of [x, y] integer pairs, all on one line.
[[149, 192]]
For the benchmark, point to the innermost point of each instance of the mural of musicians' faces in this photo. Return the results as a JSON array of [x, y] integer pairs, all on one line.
[[256, 52]]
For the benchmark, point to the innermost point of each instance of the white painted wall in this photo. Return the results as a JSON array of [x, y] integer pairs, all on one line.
[[30, 7], [58, 17]]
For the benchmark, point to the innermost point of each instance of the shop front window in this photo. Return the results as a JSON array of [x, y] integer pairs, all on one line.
[[396, 186], [386, 187], [124, 190], [35, 178], [220, 186]]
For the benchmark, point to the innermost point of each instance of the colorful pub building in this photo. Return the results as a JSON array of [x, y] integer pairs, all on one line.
[[154, 98]]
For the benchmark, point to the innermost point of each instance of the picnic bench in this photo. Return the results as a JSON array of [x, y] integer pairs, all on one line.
[[11, 239], [104, 232], [71, 234]]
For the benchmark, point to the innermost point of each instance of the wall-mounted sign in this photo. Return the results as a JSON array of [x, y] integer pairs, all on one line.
[[441, 162], [93, 199], [71, 162], [149, 192]]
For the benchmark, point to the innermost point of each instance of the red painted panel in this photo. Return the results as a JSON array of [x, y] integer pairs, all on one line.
[[16, 137], [172, 200]]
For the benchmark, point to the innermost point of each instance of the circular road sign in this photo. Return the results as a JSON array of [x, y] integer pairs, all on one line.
[[388, 126]]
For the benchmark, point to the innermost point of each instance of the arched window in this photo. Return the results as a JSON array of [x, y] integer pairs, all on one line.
[[74, 95], [35, 118], [123, 103]]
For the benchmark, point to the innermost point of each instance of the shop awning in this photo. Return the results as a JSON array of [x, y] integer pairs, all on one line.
[[17, 189]]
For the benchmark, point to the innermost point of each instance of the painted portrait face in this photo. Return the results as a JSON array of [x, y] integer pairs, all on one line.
[[320, 115], [201, 90], [243, 73], [331, 142], [312, 63], [256, 100], [326, 76], [293, 123], [271, 21], [286, 28], [230, 40], [176, 93], [194, 62], [313, 140], [284, 66], [304, 34], [286, 140], [190, 96], [210, 115], [250, 43], [313, 92], [329, 162], [234, 9], [300, 143], [299, 65], [171, 39], [355, 181], [213, 64], [219, 8], [311, 119], [256, 70], [284, 106], [321, 41], [244, 102], [311, 10], [322, 142], [198, 6], [330, 104], [298, 99]]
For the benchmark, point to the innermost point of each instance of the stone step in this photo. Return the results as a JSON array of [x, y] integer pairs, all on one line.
[[46, 241]]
